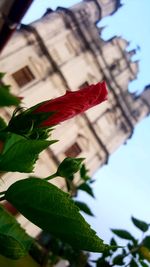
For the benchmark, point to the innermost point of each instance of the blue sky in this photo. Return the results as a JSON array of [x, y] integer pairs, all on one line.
[[122, 187]]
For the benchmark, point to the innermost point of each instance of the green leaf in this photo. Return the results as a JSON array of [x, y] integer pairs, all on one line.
[[91, 181], [54, 211], [85, 187], [129, 246], [6, 98], [83, 173], [146, 242], [102, 263], [2, 74], [113, 243], [3, 135], [83, 207], [144, 264], [118, 260], [123, 234], [107, 253], [133, 263], [69, 166], [20, 154], [11, 140], [2, 123], [27, 124], [26, 261], [140, 224], [14, 242]]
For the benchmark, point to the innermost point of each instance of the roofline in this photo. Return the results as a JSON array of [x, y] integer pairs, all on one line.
[[12, 19], [147, 87], [98, 7], [118, 5]]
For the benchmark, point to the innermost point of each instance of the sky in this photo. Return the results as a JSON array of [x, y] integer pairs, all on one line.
[[122, 187]]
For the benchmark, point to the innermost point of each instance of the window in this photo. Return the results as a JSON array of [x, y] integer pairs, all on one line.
[[123, 127], [114, 68], [73, 151], [135, 113], [23, 76], [85, 84]]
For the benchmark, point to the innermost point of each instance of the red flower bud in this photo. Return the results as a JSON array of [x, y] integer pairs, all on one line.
[[72, 103]]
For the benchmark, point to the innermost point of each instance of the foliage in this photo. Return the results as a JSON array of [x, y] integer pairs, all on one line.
[[6, 98], [49, 207], [20, 154], [69, 166], [83, 207], [57, 213], [136, 252], [14, 242], [21, 141]]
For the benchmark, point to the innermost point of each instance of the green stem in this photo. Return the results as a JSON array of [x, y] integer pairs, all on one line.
[[51, 177]]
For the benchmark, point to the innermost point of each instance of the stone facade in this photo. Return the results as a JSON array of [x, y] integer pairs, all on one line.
[[64, 51]]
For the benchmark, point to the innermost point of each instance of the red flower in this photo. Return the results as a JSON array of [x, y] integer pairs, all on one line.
[[72, 103]]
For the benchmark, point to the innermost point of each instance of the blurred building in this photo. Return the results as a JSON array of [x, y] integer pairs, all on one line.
[[64, 51]]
